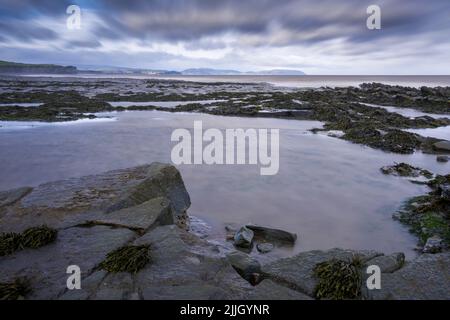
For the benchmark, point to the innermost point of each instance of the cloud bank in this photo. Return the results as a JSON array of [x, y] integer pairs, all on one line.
[[316, 36]]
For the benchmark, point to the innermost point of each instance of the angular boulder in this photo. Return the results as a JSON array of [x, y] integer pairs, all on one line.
[[272, 234]]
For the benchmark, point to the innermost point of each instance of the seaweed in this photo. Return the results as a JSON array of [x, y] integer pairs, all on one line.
[[9, 242], [15, 290], [338, 279], [33, 238], [126, 259], [37, 237]]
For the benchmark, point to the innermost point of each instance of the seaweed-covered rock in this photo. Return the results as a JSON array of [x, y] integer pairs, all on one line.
[[405, 170]]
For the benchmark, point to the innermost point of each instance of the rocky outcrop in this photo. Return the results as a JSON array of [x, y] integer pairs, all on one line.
[[96, 215], [141, 207]]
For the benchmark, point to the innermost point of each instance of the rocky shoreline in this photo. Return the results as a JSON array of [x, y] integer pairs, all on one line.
[[356, 112], [141, 213]]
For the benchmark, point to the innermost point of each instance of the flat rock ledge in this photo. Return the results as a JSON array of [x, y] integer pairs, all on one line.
[[147, 205]]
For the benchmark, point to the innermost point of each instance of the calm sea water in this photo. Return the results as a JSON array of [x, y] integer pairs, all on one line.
[[330, 192], [306, 81]]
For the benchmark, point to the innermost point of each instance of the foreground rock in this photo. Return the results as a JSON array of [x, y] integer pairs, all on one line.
[[146, 207], [95, 215], [423, 278]]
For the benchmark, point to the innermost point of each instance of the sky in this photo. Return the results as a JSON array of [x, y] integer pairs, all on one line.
[[316, 36]]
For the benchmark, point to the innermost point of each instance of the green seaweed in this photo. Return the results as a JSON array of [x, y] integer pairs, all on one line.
[[126, 259], [33, 238], [37, 237], [15, 290], [9, 242], [338, 279]]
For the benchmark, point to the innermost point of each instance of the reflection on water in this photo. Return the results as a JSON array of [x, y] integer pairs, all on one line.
[[408, 112], [327, 190], [162, 104], [21, 104], [439, 133]]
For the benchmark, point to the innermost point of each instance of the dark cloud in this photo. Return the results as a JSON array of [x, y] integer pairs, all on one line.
[[252, 25], [19, 30]]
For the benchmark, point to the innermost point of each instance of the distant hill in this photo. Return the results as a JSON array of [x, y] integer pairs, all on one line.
[[278, 72], [25, 68], [123, 70], [7, 67], [222, 72], [209, 72]]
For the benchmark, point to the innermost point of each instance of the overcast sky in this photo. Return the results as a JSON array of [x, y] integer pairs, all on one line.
[[315, 36]]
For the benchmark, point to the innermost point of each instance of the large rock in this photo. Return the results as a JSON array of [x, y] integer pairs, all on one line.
[[153, 212], [66, 203], [46, 266], [425, 278], [178, 270], [272, 234], [297, 272], [442, 146], [162, 180]]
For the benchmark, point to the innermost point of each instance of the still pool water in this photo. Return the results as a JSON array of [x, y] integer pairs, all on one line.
[[330, 192]]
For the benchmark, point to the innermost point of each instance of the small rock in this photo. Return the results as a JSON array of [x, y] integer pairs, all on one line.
[[244, 237], [244, 264], [442, 158], [445, 192], [273, 234], [433, 245], [264, 247]]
